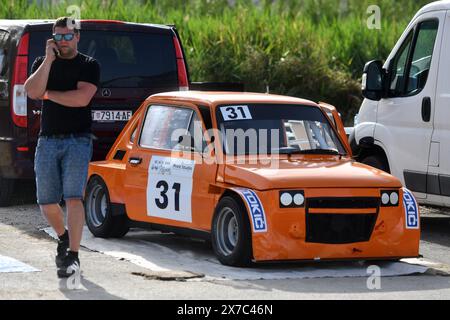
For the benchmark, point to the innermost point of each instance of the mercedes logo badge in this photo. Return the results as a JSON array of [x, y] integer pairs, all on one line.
[[106, 92]]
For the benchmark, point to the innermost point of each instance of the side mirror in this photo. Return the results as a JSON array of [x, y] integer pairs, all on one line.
[[373, 80]]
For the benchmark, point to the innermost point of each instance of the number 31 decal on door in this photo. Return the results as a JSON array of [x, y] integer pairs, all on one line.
[[169, 188]]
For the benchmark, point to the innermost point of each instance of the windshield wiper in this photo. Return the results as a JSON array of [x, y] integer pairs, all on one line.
[[292, 150], [320, 151]]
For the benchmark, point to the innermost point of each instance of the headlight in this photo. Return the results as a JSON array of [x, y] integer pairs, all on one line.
[[389, 198], [286, 199], [292, 199]]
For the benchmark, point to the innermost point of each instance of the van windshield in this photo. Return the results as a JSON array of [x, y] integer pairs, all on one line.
[[127, 59], [248, 129]]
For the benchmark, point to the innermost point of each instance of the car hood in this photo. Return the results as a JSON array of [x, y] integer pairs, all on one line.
[[299, 173]]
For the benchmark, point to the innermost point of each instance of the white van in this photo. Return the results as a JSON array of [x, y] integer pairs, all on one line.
[[403, 126]]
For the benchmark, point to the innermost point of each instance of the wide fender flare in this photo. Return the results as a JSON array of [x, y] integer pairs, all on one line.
[[255, 209]]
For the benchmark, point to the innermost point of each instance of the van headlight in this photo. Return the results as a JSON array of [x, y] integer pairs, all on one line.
[[292, 199], [355, 120], [389, 198]]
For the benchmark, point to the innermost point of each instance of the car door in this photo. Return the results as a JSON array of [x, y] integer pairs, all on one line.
[[167, 182], [439, 166], [405, 118]]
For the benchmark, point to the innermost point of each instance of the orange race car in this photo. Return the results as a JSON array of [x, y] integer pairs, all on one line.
[[264, 177]]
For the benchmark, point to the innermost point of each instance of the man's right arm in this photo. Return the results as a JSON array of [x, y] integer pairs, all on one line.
[[36, 84]]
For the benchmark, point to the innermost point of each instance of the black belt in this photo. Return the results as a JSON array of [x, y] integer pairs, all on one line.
[[67, 136]]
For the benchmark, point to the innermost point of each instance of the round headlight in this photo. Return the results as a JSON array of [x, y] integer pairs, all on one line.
[[299, 199], [286, 199], [394, 198], [385, 198]]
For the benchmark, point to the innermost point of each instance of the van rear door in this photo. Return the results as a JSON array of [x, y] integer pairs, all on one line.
[[136, 61]]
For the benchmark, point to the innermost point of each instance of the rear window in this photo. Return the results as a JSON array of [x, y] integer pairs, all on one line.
[[127, 59]]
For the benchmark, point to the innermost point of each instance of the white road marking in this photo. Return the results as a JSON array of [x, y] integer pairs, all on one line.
[[9, 265]]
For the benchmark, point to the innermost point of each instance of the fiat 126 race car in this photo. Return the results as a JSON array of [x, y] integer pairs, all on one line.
[[264, 177]]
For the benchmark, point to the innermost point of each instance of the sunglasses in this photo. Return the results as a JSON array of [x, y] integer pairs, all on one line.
[[66, 36]]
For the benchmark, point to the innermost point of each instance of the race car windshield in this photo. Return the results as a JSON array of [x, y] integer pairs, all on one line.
[[258, 129]]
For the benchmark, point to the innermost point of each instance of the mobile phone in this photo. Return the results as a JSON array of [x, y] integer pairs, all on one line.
[[56, 51]]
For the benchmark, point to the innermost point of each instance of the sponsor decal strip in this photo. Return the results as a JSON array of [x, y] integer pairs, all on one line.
[[411, 210], [254, 205]]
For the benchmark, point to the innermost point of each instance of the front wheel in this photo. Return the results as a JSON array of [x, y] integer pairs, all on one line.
[[99, 218], [231, 233]]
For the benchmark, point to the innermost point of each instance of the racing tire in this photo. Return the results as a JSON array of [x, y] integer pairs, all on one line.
[[376, 161], [6, 190], [231, 233], [99, 218]]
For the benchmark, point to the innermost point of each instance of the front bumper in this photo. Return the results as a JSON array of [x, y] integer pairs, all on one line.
[[334, 231]]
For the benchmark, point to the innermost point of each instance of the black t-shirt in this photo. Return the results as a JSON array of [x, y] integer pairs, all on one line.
[[64, 76]]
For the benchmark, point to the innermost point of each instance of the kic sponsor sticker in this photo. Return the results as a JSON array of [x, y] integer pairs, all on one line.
[[411, 210], [256, 209]]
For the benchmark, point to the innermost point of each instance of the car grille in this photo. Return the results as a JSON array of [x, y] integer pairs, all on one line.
[[340, 228]]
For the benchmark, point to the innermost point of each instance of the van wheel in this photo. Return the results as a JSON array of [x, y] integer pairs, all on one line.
[[376, 161], [6, 190], [99, 218], [231, 234]]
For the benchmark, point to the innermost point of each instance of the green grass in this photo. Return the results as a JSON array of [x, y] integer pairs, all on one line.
[[313, 49]]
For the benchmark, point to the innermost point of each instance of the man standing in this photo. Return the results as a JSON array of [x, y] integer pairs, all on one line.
[[66, 81]]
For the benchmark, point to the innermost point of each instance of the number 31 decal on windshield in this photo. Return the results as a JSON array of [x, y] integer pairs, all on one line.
[[231, 113], [169, 188]]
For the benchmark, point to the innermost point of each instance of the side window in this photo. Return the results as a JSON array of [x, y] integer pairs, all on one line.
[[421, 58], [163, 126], [412, 63], [2, 61], [196, 131], [399, 66], [133, 135]]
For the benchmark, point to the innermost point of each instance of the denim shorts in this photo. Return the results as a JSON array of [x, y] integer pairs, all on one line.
[[61, 167]]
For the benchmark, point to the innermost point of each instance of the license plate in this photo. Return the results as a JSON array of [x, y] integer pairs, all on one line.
[[111, 115]]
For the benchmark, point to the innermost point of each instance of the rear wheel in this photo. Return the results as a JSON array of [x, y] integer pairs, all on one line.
[[376, 161], [231, 234], [99, 218], [6, 190]]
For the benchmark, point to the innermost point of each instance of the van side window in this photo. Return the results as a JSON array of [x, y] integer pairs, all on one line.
[[421, 58], [164, 125], [2, 61], [399, 66], [411, 65]]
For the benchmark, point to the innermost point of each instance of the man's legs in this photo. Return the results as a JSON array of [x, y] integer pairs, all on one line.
[[55, 217], [75, 222], [74, 166], [49, 191]]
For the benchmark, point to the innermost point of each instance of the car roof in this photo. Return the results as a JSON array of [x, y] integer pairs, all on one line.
[[30, 22], [219, 97]]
